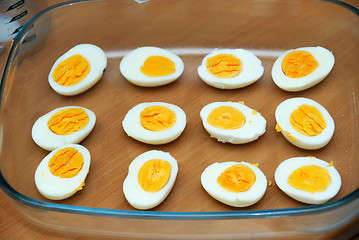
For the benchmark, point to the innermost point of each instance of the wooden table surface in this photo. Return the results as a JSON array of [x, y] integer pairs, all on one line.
[[13, 226]]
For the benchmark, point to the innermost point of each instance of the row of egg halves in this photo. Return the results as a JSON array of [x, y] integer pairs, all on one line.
[[158, 123], [82, 67]]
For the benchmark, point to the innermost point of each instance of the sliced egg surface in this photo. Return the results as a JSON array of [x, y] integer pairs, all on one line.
[[151, 67], [63, 126], [63, 172], [232, 122], [307, 179], [302, 68], [150, 179], [230, 68], [304, 123], [154, 122], [77, 70], [237, 184]]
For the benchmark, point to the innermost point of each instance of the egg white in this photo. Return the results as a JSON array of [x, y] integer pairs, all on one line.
[[131, 64], [252, 70], [254, 127], [286, 168], [325, 59], [132, 125], [97, 60], [48, 140], [282, 116], [56, 188], [242, 199], [135, 195]]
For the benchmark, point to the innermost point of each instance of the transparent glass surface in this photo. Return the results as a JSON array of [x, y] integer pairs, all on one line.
[[191, 29]]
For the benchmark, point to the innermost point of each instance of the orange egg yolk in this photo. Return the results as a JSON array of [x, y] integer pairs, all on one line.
[[307, 120], [226, 117], [157, 66], [297, 64], [310, 178], [66, 163], [224, 66], [237, 178], [68, 121], [71, 71], [154, 175], [157, 118]]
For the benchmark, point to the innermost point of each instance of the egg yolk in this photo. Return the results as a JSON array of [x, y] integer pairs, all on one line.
[[66, 163], [307, 120], [310, 178], [226, 117], [237, 178], [224, 66], [157, 66], [71, 71], [297, 64], [68, 121], [157, 118], [154, 175]]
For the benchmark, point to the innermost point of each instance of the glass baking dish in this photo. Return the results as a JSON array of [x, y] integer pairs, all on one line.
[[191, 29]]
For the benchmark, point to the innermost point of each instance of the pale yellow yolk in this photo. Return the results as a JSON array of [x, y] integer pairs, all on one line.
[[68, 121], [157, 66], [71, 71], [226, 117], [307, 120], [224, 66], [237, 178], [297, 64], [157, 118], [154, 175], [310, 178], [66, 163]]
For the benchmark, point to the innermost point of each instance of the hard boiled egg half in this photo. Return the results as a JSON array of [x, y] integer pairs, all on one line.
[[304, 123], [301, 68], [237, 184], [232, 122], [154, 122], [151, 66], [63, 171], [78, 69], [308, 179], [150, 179], [230, 68], [62, 126]]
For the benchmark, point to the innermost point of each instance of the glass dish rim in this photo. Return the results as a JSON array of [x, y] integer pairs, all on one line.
[[163, 215]]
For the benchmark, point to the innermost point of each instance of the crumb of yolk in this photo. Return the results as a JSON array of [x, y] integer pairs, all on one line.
[[66, 163], [331, 164], [157, 118], [71, 71], [68, 121], [307, 120], [310, 178], [157, 66], [278, 128], [224, 66], [154, 175], [291, 136], [237, 178], [297, 64], [226, 117]]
